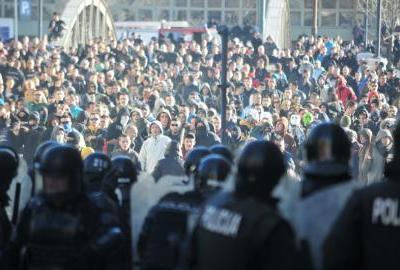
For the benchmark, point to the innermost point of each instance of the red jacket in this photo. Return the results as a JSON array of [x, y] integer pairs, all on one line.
[[345, 93]]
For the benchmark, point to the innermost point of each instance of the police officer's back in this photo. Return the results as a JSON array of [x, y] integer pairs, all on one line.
[[61, 228], [8, 167], [97, 170], [165, 226], [367, 232], [325, 187], [97, 166], [242, 229]]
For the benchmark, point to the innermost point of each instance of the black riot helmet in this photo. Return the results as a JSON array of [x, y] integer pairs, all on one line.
[[9, 162], [96, 166], [259, 168], [125, 167], [328, 151], [193, 159], [63, 161], [126, 176], [213, 168], [37, 157], [222, 150]]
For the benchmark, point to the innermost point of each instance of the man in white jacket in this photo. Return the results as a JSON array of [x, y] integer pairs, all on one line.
[[153, 148]]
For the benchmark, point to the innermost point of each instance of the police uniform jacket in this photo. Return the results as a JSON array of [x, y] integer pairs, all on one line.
[[367, 232], [236, 232]]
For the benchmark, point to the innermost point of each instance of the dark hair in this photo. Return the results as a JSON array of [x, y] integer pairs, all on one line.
[[190, 135]]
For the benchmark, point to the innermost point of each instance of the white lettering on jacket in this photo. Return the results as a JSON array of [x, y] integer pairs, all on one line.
[[221, 221], [386, 211]]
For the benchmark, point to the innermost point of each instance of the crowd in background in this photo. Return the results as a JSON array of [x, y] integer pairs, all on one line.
[[125, 97]]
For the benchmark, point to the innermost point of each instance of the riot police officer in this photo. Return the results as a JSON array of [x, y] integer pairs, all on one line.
[[325, 187], [164, 229], [222, 150], [193, 159], [117, 185], [241, 229], [61, 228], [367, 232], [97, 167], [37, 157], [8, 167], [212, 172]]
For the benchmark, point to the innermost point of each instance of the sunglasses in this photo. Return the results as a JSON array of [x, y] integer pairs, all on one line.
[[94, 119], [174, 125]]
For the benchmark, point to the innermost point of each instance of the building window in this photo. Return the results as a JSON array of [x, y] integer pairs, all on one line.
[[8, 11], [295, 17], [145, 15], [197, 3], [147, 3], [329, 4], [214, 3], [197, 16], [232, 17], [35, 13], [345, 19], [215, 15], [296, 4], [249, 4], [232, 3], [308, 3], [328, 18], [346, 4], [180, 3], [163, 15], [181, 15], [249, 17], [162, 3], [308, 18]]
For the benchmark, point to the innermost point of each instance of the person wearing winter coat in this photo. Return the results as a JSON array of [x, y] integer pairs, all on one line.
[[124, 149], [171, 164], [344, 92], [282, 129], [204, 136], [381, 153], [153, 148], [365, 154]]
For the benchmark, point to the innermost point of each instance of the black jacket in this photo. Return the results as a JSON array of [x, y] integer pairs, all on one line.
[[76, 236], [164, 230], [242, 233], [168, 166], [366, 234]]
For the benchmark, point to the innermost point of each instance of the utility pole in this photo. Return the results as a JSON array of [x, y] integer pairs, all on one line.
[[40, 19], [224, 33], [261, 7], [366, 22], [379, 27], [314, 30], [15, 20]]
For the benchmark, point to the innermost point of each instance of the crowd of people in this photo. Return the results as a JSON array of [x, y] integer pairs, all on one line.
[[127, 108], [112, 97]]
